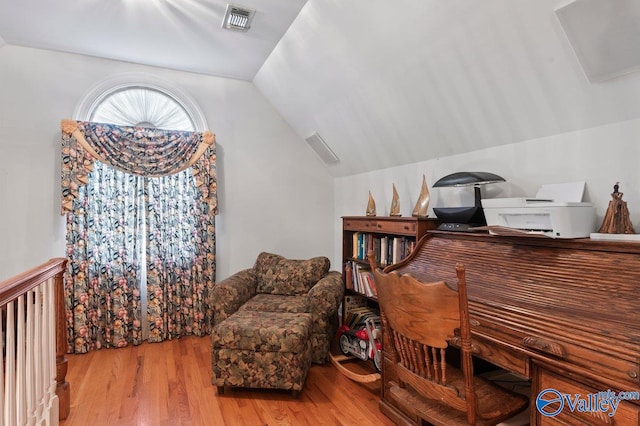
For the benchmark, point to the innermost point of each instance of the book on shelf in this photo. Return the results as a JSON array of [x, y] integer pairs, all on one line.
[[387, 249], [354, 245], [372, 285], [362, 279], [356, 277], [352, 302], [397, 249], [348, 279], [384, 244], [358, 316], [375, 246]]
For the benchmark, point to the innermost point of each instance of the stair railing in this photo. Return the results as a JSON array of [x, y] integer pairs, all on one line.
[[33, 387]]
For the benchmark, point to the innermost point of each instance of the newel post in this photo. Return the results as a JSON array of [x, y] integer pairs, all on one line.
[[62, 386]]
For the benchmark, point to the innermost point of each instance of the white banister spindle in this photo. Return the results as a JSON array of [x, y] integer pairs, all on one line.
[[22, 366], [2, 408], [10, 369], [37, 357], [30, 388], [50, 401], [41, 350]]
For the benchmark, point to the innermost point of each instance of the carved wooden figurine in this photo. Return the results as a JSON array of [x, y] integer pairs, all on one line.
[[616, 219]]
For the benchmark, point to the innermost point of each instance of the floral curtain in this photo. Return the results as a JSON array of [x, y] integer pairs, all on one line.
[[140, 206], [136, 150], [104, 248], [180, 259]]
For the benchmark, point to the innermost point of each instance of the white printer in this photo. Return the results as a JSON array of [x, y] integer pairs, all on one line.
[[557, 211]]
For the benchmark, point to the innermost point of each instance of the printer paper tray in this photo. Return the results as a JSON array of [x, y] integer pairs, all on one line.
[[506, 231]]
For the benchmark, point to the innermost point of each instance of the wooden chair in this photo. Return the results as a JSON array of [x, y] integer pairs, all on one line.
[[421, 319]]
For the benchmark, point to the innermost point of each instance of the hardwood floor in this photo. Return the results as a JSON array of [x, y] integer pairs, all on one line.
[[169, 384]]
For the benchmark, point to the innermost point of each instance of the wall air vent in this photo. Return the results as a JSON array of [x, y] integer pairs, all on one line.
[[238, 18], [321, 148]]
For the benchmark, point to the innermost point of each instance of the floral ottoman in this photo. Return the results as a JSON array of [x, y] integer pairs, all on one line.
[[257, 349]]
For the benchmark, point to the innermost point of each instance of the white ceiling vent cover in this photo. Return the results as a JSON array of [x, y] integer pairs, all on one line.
[[238, 18], [604, 35], [320, 147]]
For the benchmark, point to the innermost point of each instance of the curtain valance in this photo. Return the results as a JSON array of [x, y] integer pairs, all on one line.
[[136, 150]]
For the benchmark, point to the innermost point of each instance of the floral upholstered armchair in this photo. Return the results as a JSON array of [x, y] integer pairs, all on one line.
[[271, 321]]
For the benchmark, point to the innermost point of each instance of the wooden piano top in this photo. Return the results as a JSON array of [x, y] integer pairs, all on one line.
[[574, 303]]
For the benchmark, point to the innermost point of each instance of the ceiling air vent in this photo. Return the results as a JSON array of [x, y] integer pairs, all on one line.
[[238, 18], [321, 148]]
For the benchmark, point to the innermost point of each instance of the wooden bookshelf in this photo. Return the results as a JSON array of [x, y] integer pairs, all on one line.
[[392, 238]]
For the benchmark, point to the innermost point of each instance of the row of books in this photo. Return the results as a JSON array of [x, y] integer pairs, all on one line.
[[353, 301], [388, 249], [359, 278], [357, 317]]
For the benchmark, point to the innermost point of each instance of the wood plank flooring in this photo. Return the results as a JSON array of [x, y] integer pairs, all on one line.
[[169, 384]]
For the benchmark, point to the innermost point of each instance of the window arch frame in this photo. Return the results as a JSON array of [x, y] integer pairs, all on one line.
[[113, 84]]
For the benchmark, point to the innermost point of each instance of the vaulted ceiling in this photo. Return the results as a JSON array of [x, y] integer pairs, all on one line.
[[384, 83], [179, 34]]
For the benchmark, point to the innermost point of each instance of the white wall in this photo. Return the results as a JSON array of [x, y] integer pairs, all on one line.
[[387, 83], [600, 156], [274, 194]]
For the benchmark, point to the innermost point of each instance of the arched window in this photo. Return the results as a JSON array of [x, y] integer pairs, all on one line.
[[148, 244], [142, 107], [138, 98]]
